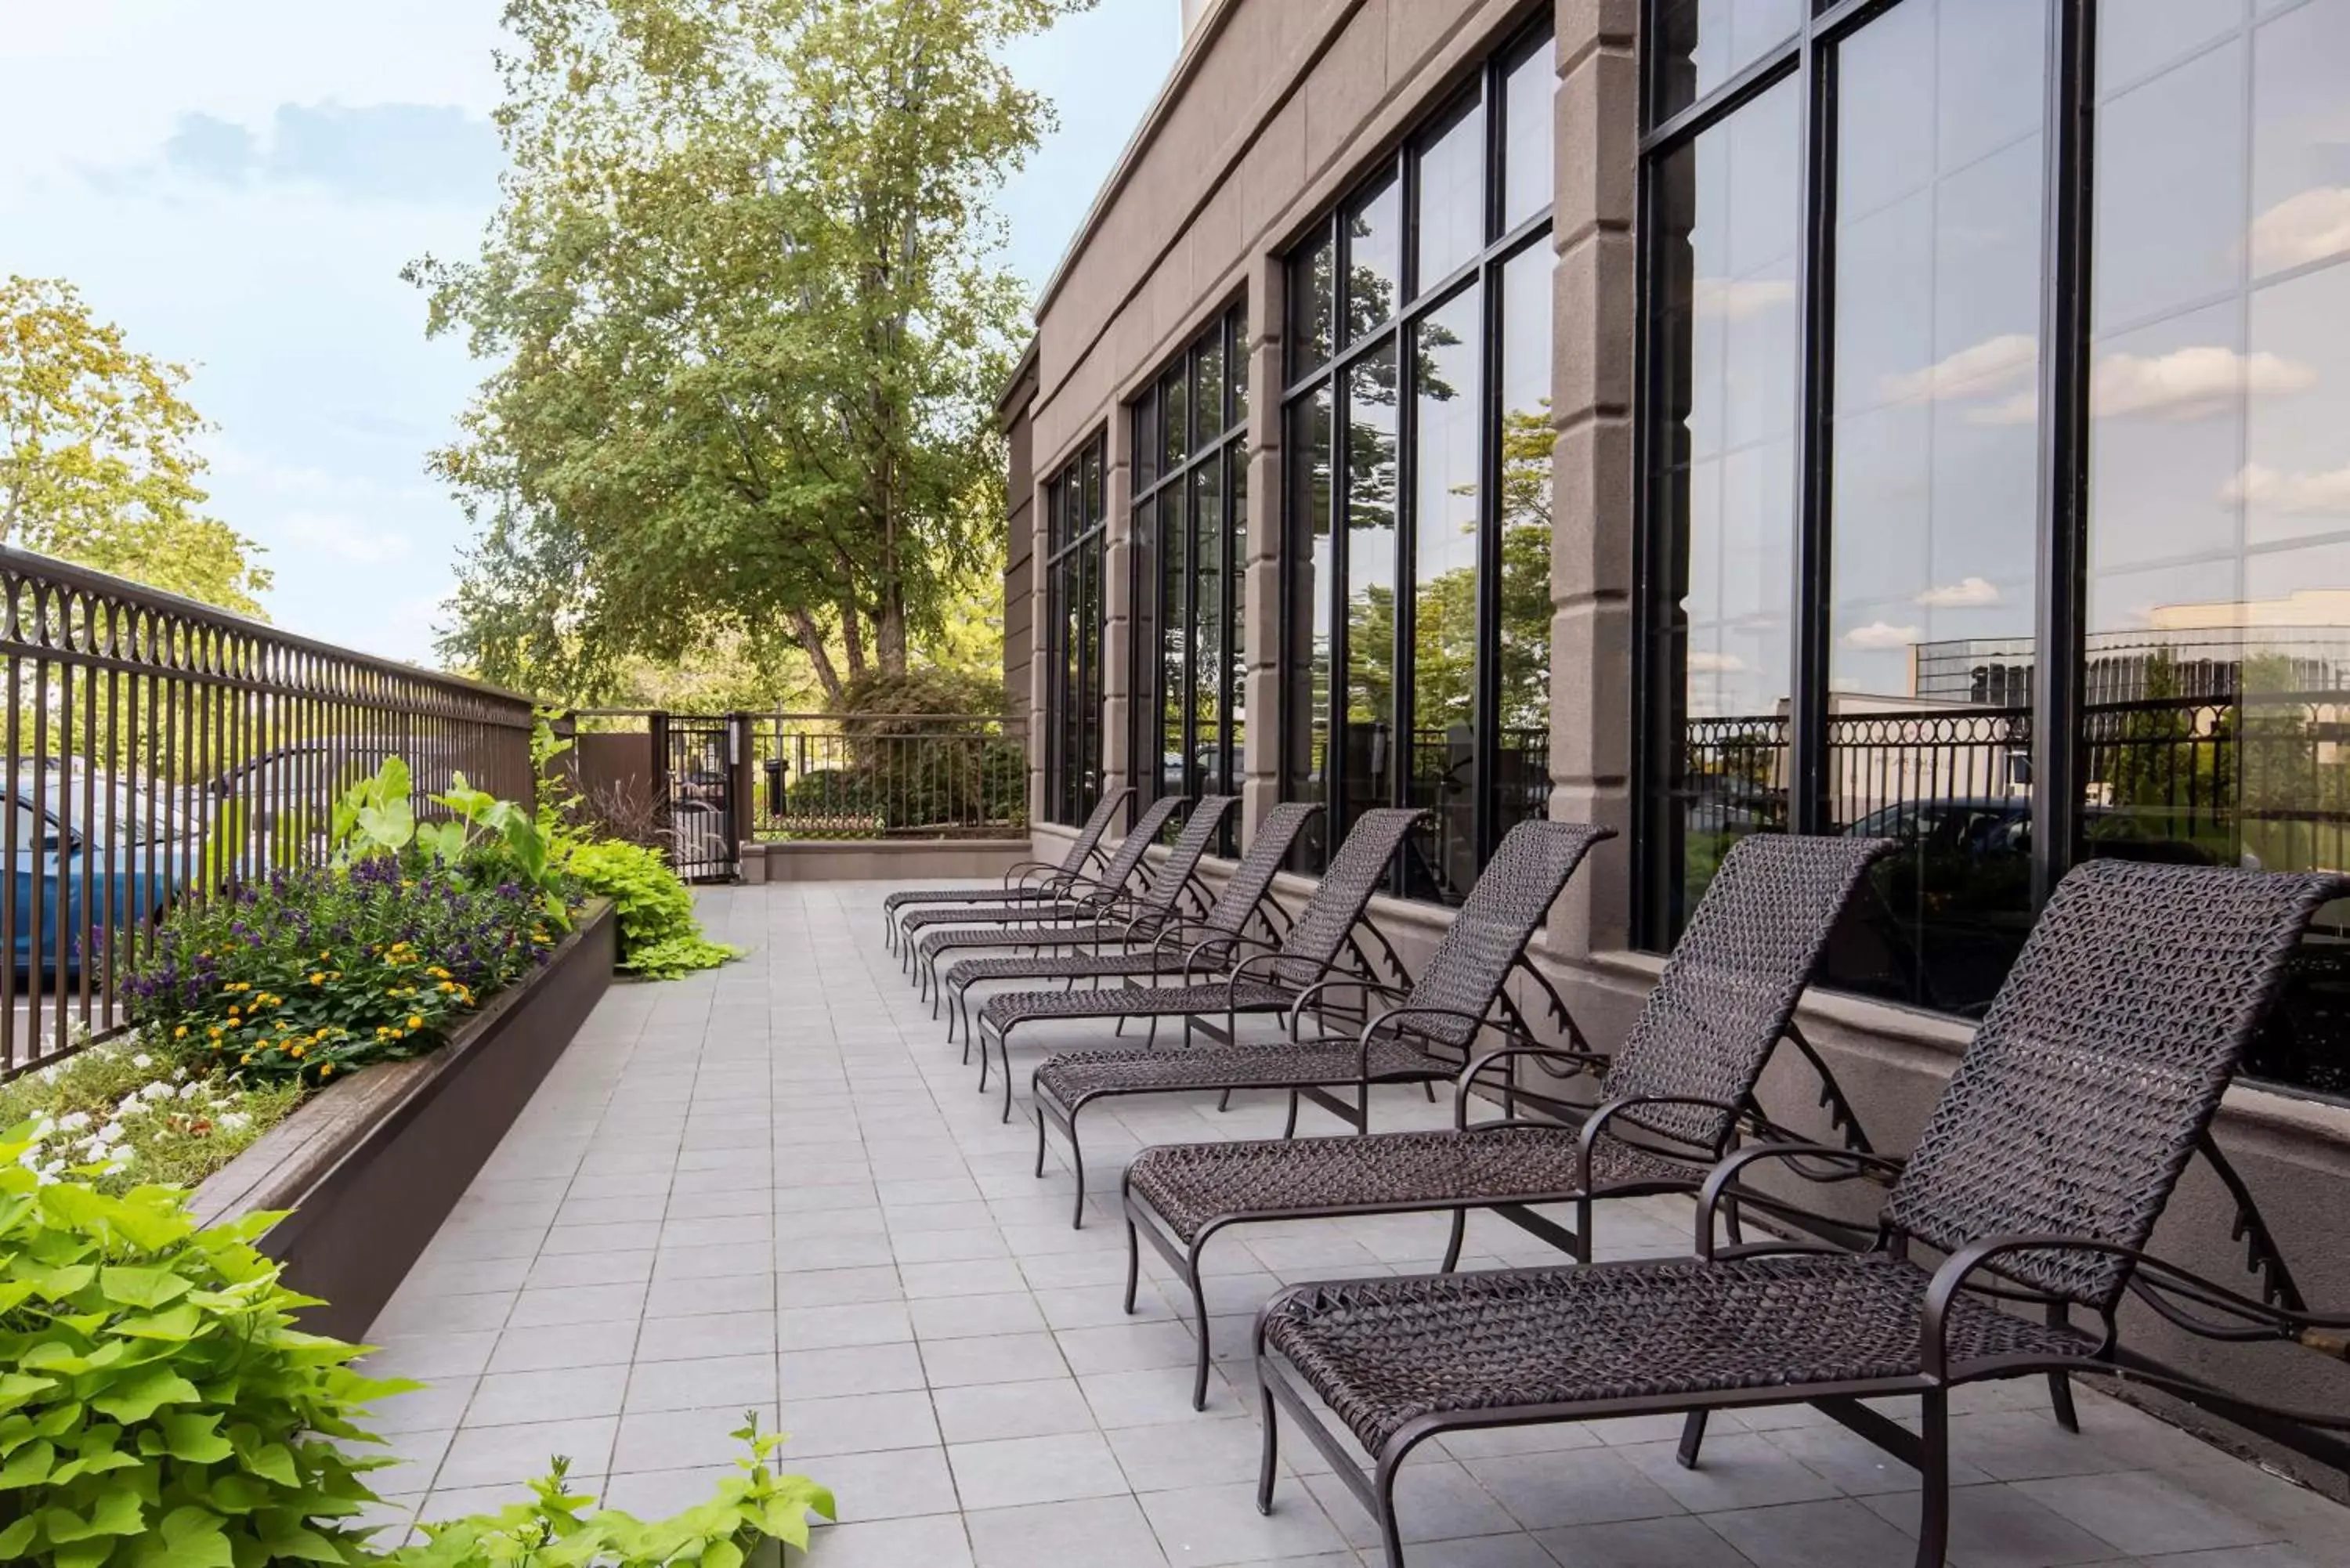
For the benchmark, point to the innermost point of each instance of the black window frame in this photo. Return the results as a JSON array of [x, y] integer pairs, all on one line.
[[1153, 485], [1419, 299], [1077, 515], [2059, 677]]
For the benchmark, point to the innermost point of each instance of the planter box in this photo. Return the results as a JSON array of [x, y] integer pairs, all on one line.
[[905, 861], [373, 1166]]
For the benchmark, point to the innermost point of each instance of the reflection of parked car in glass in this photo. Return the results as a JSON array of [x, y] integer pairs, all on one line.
[[88, 853], [287, 792]]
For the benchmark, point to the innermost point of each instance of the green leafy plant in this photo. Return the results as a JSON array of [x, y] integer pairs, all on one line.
[[374, 815], [158, 1406], [555, 1528], [660, 938], [479, 820]]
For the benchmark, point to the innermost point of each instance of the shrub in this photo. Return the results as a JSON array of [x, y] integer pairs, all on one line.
[[159, 1409], [157, 1403], [318, 971], [660, 938]]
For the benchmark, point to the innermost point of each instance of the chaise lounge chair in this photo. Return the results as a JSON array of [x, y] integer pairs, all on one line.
[[2090, 1083], [1081, 898], [1424, 1037], [1026, 880], [1168, 947], [1320, 943], [1682, 1086]]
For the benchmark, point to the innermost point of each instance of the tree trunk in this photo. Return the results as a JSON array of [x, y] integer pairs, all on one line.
[[811, 637], [852, 637]]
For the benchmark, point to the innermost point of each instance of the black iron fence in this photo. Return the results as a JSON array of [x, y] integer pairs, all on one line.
[[920, 775], [160, 750]]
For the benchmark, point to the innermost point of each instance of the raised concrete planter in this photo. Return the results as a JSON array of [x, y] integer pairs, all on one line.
[[372, 1167], [881, 859]]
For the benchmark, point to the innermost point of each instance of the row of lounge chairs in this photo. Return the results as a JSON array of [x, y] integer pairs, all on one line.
[[2024, 1207]]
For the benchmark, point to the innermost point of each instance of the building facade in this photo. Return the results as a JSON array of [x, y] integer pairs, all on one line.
[[1926, 418]]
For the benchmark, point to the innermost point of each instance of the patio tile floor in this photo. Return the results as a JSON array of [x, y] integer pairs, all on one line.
[[776, 1188]]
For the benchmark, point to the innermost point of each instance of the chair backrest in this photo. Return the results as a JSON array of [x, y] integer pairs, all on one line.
[[1089, 836], [1529, 870], [2101, 1063], [1731, 986], [1168, 878], [1253, 875], [1329, 916], [1138, 840]]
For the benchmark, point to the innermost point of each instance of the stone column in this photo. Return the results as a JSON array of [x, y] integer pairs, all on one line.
[[1594, 484], [1260, 752]]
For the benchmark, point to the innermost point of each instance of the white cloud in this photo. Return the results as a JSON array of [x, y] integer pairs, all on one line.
[[2002, 364], [1738, 299], [2306, 227], [2191, 383], [1879, 634], [2326, 492], [1969, 593], [347, 537], [1715, 663]]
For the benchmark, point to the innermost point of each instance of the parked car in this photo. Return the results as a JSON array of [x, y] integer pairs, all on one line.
[[117, 865]]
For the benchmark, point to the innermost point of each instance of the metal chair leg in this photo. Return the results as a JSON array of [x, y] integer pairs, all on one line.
[[1452, 1245], [1692, 1438], [1269, 1414], [1040, 1161], [1133, 1249], [1076, 1163], [2060, 1397], [1933, 1477], [1199, 1318]]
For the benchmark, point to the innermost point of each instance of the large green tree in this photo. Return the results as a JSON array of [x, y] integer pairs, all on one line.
[[748, 327], [98, 462]]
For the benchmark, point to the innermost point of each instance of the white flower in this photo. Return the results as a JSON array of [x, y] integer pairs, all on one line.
[[142, 1060], [235, 1121], [73, 1121], [188, 1092], [156, 1091]]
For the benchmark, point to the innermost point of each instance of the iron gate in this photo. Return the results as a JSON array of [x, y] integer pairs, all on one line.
[[702, 756]]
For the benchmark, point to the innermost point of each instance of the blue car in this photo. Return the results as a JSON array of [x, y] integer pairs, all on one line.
[[102, 855]]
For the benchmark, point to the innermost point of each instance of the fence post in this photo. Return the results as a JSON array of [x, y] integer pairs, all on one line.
[[740, 803], [657, 738]]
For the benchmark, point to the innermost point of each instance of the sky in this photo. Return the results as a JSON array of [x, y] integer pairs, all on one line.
[[237, 183]]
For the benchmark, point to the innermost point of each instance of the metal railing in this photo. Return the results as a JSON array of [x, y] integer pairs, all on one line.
[[161, 751], [922, 776]]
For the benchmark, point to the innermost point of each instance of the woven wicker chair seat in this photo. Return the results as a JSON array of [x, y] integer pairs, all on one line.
[[1058, 965], [990, 895], [1383, 1352], [937, 942], [1075, 1075], [1010, 1007], [1190, 1185], [996, 914]]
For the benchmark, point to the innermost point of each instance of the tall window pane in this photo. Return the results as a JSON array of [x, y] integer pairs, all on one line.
[[1309, 573], [1935, 489], [1368, 758], [1520, 775], [1725, 495], [1374, 258], [1313, 308], [1073, 589], [1530, 136], [1447, 459], [1451, 226], [2216, 670], [1174, 538], [1207, 650], [1236, 629]]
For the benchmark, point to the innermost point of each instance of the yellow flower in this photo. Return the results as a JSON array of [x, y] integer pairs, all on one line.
[[295, 1051], [214, 1032], [324, 1068], [245, 1058], [181, 1033], [318, 976], [414, 1021]]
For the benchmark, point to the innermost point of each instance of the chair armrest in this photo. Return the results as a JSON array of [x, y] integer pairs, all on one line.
[[1579, 1061], [1709, 1198], [1336, 974], [1372, 1026]]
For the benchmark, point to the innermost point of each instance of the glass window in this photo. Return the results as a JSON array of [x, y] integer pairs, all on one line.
[[1312, 293], [1395, 635], [1935, 490], [1702, 44], [1447, 463], [1724, 496], [1073, 588], [1374, 257], [1186, 635], [1530, 136], [1451, 226], [2216, 670], [1519, 784]]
